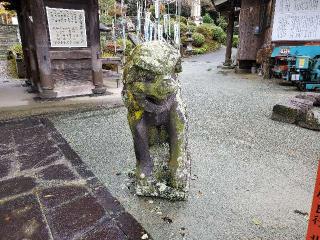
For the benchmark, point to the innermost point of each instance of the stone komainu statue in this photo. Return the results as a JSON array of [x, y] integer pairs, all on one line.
[[157, 119]]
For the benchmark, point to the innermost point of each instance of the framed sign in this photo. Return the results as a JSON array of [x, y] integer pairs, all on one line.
[[296, 20], [67, 27]]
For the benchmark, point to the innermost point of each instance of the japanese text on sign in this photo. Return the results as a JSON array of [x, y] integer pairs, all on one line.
[[296, 20], [67, 27]]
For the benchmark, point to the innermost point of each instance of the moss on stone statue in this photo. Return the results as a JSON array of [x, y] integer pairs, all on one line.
[[152, 95]]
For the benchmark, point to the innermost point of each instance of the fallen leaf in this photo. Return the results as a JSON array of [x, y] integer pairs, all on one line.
[[256, 221], [182, 231], [301, 213], [145, 236], [194, 177], [200, 194], [167, 219], [48, 196]]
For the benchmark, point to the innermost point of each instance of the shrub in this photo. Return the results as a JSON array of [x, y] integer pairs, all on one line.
[[219, 35], [235, 41], [198, 39], [191, 23], [184, 41], [222, 22], [207, 19], [129, 46], [201, 50], [106, 19], [192, 28], [183, 20], [212, 46], [206, 29], [16, 49], [183, 27]]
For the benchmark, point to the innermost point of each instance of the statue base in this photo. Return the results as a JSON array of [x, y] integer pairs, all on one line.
[[158, 184], [149, 187]]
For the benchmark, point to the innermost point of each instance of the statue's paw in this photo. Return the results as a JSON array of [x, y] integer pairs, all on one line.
[[145, 171]]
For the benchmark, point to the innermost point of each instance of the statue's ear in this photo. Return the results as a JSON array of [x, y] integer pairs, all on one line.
[[178, 67]]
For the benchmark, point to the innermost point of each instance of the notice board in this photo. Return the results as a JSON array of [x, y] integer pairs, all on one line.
[[67, 27], [296, 20]]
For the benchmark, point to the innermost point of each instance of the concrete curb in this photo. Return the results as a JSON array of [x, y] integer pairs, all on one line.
[[59, 107]]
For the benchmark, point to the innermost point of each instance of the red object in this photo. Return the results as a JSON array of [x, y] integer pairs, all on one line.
[[314, 220]]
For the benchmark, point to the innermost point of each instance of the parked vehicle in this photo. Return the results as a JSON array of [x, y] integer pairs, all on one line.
[[299, 65]]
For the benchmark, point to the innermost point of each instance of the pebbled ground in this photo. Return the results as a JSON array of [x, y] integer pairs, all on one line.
[[250, 174]]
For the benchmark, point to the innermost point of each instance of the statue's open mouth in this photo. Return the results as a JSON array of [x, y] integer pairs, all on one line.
[[155, 100]]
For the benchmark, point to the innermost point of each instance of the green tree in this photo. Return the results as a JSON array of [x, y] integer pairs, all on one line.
[[106, 10], [6, 14]]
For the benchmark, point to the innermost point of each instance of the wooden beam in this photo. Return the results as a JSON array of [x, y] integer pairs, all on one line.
[[29, 38], [70, 54]]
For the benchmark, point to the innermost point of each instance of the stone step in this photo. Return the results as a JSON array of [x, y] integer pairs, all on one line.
[[3, 51], [5, 43], [8, 34], [8, 43], [9, 39]]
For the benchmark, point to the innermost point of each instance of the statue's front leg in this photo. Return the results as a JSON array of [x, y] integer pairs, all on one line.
[[178, 162], [141, 147]]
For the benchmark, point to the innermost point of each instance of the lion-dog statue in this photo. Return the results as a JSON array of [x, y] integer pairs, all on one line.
[[157, 119]]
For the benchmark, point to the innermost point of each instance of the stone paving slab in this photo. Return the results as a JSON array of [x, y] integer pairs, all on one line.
[[47, 192]]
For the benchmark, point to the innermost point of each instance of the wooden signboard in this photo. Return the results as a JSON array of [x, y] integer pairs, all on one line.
[[67, 27]]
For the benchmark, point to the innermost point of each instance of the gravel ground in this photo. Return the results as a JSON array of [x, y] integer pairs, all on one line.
[[250, 173], [4, 71]]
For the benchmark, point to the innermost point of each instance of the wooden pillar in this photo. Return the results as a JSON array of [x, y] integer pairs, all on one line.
[[94, 32], [230, 29], [41, 39], [30, 45], [22, 28]]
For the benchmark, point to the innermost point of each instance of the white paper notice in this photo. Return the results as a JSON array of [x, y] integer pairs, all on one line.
[[67, 27], [296, 20]]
